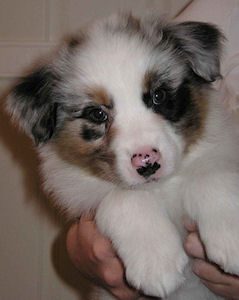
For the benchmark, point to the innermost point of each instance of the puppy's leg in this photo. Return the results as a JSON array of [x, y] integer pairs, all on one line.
[[146, 241], [212, 200]]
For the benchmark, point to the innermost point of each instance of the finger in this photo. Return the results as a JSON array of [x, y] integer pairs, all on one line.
[[227, 291], [125, 294], [189, 224], [112, 272], [88, 217], [102, 249], [80, 256], [71, 240], [212, 274], [194, 247]]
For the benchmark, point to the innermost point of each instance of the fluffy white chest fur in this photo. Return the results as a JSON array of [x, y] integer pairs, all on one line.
[[128, 125]]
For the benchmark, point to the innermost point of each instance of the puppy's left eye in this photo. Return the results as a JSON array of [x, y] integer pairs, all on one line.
[[97, 115], [159, 96]]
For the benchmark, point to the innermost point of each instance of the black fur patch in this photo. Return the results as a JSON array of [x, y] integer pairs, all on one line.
[[73, 43], [207, 34], [175, 104], [44, 128], [200, 44], [35, 100], [37, 88], [90, 134]]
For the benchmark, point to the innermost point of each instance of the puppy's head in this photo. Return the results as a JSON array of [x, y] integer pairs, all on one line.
[[125, 100]]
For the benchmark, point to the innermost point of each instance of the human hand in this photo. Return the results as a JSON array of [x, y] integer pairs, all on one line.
[[215, 279], [95, 258]]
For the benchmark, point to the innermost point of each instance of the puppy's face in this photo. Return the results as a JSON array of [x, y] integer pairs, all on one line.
[[125, 102]]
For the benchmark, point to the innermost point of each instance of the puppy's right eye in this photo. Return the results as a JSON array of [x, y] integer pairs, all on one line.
[[94, 114], [97, 115]]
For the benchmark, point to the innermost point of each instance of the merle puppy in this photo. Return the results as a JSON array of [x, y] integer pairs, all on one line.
[[127, 124]]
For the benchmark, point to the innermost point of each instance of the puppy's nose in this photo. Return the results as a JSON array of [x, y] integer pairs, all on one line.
[[146, 161]]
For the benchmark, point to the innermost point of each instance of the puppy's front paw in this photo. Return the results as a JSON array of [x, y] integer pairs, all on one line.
[[222, 245], [157, 273]]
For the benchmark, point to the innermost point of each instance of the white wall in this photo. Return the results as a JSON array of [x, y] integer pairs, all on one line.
[[29, 28], [33, 261]]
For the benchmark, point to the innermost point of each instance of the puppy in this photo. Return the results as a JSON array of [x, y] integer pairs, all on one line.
[[127, 124]]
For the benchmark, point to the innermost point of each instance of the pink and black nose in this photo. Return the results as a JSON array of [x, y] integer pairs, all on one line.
[[146, 161]]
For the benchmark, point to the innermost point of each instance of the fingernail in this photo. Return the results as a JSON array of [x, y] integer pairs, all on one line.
[[88, 217], [189, 224], [193, 246]]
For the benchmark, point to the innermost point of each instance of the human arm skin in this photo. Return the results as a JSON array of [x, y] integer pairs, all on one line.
[[95, 258], [216, 280]]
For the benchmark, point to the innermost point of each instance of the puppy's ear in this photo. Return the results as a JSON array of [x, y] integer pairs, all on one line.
[[33, 103], [201, 44]]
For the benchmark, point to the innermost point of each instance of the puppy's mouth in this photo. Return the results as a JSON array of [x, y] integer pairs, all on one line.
[[148, 181], [145, 181], [153, 179]]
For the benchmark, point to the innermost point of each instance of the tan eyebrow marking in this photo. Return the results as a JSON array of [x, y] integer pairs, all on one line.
[[100, 96]]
